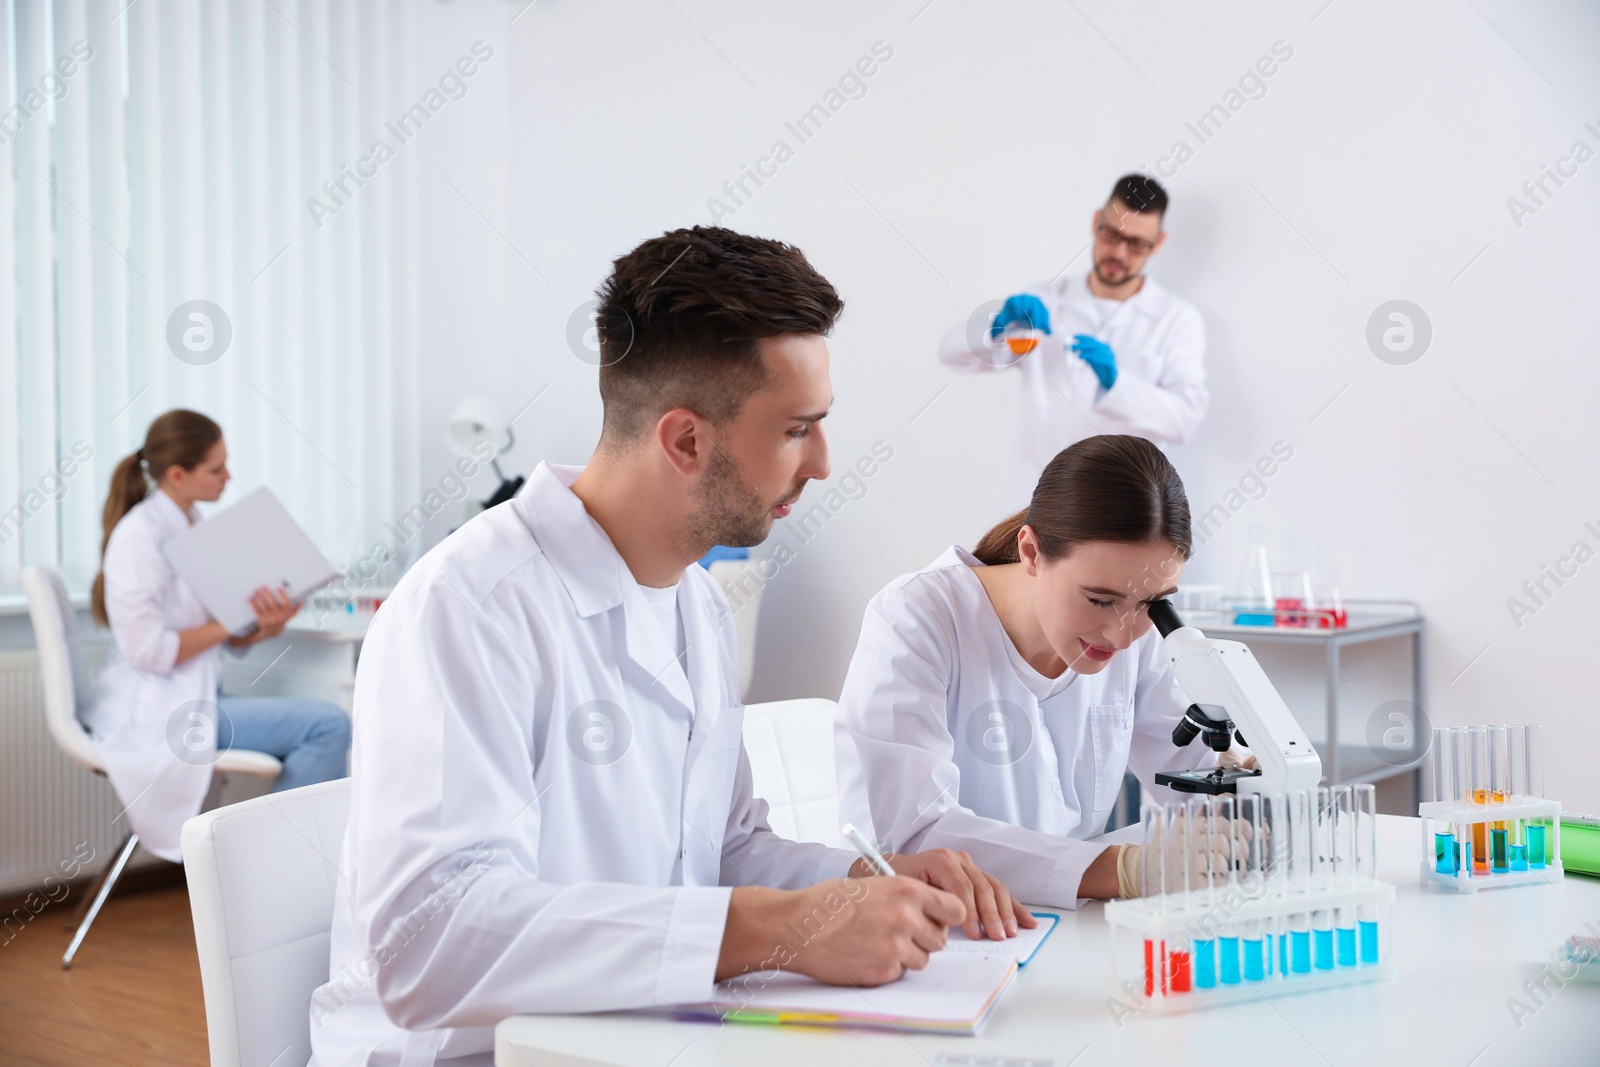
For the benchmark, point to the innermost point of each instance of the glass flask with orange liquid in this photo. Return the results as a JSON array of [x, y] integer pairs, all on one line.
[[1021, 337]]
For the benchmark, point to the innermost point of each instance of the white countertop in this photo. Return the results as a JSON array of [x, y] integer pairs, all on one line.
[[1460, 958]]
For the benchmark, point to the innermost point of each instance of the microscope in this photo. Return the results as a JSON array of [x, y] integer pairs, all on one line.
[[1228, 687]]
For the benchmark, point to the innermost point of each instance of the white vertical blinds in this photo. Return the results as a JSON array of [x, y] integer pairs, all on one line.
[[153, 154]]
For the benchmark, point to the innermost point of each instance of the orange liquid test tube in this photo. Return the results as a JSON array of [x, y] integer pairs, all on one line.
[[1479, 794]]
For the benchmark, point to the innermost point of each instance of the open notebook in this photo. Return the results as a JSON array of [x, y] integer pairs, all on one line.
[[1024, 946], [953, 994]]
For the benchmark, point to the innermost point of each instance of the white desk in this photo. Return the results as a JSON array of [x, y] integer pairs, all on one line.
[[306, 660], [1460, 958]]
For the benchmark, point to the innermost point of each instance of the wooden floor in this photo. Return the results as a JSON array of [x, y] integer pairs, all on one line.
[[132, 996]]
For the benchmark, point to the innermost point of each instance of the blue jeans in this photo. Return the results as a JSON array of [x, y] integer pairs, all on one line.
[[311, 737]]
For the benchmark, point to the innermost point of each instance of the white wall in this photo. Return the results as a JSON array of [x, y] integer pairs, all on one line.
[[1376, 165]]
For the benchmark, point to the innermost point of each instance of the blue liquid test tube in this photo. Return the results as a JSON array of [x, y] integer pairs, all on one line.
[[1442, 788], [1204, 927], [1275, 824], [1302, 847], [1366, 841], [1224, 842], [1517, 847], [1533, 777], [1346, 829], [1205, 963], [1252, 884], [1322, 877]]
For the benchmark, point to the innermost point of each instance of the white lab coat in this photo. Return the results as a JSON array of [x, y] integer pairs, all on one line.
[[547, 808], [142, 708], [947, 738], [1160, 392]]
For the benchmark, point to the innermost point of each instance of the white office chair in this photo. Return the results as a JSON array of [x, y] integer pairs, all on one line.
[[261, 879], [56, 627], [790, 743]]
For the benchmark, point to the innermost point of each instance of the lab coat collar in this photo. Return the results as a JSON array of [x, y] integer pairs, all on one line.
[[597, 578], [584, 558], [1150, 300], [1041, 687], [166, 511]]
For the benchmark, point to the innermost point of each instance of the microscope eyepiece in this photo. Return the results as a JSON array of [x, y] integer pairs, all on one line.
[[1165, 616]]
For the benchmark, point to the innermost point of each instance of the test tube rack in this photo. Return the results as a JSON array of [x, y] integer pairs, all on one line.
[[1487, 823], [1154, 981], [1456, 864], [1252, 896]]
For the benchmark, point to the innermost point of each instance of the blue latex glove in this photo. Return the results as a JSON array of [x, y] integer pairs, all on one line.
[[1099, 356], [1024, 308]]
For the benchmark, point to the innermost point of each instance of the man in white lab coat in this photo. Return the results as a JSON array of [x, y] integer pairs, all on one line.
[[1112, 351], [551, 806]]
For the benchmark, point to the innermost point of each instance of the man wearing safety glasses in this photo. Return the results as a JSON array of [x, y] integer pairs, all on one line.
[[1106, 352]]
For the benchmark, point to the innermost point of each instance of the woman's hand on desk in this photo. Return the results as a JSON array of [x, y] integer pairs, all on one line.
[[991, 910], [273, 610]]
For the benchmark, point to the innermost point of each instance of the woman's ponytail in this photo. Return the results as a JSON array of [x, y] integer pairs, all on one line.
[[128, 487], [999, 545], [178, 438]]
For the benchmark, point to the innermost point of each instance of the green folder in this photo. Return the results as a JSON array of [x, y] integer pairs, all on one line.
[[1580, 847]]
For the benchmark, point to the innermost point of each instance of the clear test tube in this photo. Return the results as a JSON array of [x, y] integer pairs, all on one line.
[[1478, 746], [1499, 791], [1442, 788], [1347, 844], [1434, 783], [1322, 862], [1461, 760], [1302, 815], [1534, 764], [1366, 857]]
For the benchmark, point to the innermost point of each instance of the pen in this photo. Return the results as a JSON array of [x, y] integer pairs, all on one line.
[[868, 853]]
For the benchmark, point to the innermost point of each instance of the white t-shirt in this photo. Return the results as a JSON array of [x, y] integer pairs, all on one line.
[[664, 602]]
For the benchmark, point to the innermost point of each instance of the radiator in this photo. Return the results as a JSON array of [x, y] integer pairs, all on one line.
[[52, 811]]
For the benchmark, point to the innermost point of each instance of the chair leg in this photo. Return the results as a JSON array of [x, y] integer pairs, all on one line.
[[90, 892], [94, 900]]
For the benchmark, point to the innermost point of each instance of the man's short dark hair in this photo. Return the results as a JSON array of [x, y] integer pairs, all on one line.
[[1142, 194], [680, 317]]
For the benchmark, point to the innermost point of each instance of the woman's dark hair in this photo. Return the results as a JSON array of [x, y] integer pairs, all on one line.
[[1108, 488], [178, 438]]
